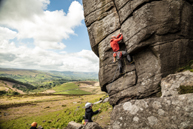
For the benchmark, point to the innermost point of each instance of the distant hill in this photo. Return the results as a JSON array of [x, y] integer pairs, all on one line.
[[77, 75], [33, 77], [37, 78], [10, 86]]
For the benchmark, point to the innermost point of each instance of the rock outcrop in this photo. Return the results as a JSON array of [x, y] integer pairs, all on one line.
[[154, 113], [74, 125], [89, 125], [175, 84], [158, 34]]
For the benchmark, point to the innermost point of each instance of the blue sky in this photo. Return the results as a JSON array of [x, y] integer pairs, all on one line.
[[45, 35], [74, 41]]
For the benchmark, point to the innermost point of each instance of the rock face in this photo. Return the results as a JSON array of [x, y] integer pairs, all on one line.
[[157, 33]]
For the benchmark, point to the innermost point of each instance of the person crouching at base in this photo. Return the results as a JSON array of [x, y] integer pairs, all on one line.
[[89, 112], [34, 125], [117, 55]]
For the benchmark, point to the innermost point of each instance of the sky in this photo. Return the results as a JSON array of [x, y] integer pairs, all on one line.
[[45, 35]]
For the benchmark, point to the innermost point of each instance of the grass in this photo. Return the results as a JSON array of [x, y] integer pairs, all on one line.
[[185, 89], [53, 114], [187, 67], [69, 88], [66, 86], [3, 88]]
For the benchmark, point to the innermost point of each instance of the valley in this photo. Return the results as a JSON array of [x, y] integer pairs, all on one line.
[[52, 100]]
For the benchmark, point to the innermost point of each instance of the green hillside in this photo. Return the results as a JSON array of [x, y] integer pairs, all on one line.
[[69, 88], [77, 75], [32, 77], [38, 78]]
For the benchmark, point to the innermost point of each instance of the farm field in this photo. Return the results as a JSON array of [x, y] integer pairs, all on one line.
[[49, 111]]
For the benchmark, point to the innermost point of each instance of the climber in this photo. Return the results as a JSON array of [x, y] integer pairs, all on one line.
[[89, 112], [34, 125], [118, 54]]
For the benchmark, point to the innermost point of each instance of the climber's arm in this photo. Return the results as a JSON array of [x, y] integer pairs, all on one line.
[[114, 57], [118, 39]]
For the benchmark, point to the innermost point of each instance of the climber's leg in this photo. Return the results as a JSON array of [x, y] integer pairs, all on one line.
[[120, 65], [124, 53]]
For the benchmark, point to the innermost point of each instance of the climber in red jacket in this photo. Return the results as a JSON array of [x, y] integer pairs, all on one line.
[[118, 54]]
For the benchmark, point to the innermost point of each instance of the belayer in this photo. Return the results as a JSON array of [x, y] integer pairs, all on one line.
[[117, 55], [34, 125], [89, 112]]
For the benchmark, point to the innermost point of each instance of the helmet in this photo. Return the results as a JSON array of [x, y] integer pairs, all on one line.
[[87, 105], [34, 124]]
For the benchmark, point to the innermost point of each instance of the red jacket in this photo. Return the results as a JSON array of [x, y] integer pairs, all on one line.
[[114, 43]]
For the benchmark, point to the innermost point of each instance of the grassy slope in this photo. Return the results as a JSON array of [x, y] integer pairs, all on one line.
[[28, 76], [7, 87], [69, 88], [77, 75], [54, 114], [35, 77]]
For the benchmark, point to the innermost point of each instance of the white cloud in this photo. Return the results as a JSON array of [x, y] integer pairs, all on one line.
[[6, 33], [47, 28], [38, 58]]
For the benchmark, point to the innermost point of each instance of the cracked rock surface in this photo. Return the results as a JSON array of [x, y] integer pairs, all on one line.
[[158, 34]]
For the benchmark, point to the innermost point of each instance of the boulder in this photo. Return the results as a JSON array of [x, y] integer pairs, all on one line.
[[157, 34], [40, 127], [175, 84], [92, 125], [97, 102], [154, 113], [106, 100], [74, 125]]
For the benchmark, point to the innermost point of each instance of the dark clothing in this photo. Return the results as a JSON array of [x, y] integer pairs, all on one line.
[[89, 113], [33, 128], [119, 58]]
